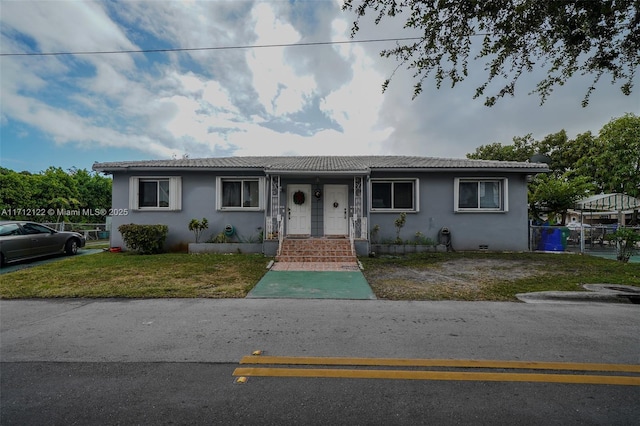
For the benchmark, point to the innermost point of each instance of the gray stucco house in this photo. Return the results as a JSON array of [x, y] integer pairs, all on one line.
[[482, 203]]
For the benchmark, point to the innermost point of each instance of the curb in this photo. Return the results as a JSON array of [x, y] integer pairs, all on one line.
[[596, 293]]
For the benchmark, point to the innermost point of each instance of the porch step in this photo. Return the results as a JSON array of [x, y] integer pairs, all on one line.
[[316, 250]]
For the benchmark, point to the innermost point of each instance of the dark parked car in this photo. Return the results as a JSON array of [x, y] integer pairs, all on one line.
[[21, 240]]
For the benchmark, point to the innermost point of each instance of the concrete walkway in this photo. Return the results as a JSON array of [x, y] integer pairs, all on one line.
[[313, 280]]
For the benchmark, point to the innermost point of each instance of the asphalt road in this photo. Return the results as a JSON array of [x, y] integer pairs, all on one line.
[[172, 362]]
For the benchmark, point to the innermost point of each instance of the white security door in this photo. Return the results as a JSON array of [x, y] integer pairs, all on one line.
[[298, 215], [336, 209]]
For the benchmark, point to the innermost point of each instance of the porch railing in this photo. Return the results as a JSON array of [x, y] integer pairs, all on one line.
[[280, 235], [269, 228], [275, 230], [352, 234]]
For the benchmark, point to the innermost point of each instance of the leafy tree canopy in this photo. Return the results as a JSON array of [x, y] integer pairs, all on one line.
[[614, 158], [610, 160], [555, 196], [563, 37], [28, 196]]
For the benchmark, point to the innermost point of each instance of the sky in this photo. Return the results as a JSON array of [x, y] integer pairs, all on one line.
[[73, 110]]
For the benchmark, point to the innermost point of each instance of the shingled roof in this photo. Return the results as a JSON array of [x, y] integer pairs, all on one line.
[[311, 164]]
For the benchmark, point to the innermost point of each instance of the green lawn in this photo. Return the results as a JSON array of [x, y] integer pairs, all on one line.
[[134, 275], [432, 276]]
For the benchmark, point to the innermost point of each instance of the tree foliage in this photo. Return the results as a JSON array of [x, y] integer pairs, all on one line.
[[614, 158], [610, 161], [48, 195], [522, 149], [554, 196], [563, 37], [578, 167]]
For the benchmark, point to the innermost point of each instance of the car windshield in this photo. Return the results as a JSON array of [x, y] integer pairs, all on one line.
[[9, 229]]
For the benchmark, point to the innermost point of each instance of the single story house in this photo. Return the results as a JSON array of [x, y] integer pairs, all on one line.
[[483, 204]]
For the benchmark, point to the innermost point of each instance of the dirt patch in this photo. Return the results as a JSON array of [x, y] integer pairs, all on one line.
[[454, 279]]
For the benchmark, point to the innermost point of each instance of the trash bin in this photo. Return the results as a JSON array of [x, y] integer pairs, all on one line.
[[553, 239]]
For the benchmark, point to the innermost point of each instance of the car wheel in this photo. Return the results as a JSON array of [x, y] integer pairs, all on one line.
[[71, 247]]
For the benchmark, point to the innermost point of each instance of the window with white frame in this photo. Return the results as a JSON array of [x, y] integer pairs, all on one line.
[[155, 193], [394, 194], [480, 194], [240, 193]]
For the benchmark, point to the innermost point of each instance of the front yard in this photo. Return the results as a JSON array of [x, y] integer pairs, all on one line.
[[133, 275], [490, 276], [432, 276]]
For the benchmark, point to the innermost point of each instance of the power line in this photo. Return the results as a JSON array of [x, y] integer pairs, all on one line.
[[194, 49]]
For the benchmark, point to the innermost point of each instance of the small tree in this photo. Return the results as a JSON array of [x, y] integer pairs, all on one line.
[[198, 227], [399, 222], [625, 240], [556, 195]]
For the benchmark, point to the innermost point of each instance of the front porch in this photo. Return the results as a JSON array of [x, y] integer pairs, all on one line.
[[316, 250], [326, 212]]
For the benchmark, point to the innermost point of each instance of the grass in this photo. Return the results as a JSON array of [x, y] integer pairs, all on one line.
[[494, 276], [136, 276], [428, 276]]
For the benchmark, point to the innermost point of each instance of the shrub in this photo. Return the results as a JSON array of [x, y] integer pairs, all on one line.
[[221, 238], [422, 240], [625, 240], [145, 239]]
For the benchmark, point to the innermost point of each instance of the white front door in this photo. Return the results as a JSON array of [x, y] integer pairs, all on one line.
[[336, 209], [298, 215]]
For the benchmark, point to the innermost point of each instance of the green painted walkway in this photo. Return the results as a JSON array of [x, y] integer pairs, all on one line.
[[312, 285]]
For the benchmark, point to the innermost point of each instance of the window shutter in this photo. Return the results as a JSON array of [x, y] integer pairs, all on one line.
[[175, 193], [505, 195], [134, 187], [261, 195], [218, 193]]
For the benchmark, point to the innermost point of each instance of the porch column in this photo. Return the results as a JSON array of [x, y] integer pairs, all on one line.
[[358, 221], [274, 218]]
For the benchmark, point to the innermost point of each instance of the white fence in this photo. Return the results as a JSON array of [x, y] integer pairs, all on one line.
[[91, 231]]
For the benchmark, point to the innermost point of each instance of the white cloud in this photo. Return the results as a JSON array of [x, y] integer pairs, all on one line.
[[269, 101], [280, 89], [69, 27]]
